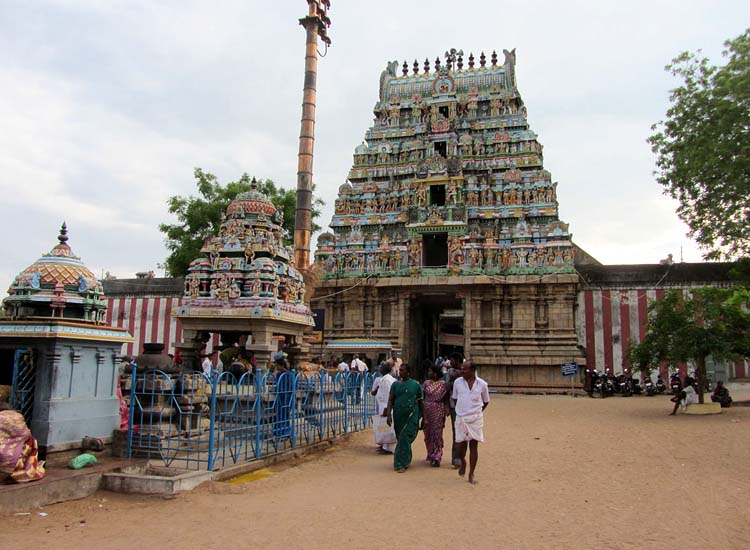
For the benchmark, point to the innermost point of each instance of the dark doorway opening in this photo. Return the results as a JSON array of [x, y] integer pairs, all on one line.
[[437, 195], [6, 366], [444, 111], [440, 148], [438, 329], [435, 250]]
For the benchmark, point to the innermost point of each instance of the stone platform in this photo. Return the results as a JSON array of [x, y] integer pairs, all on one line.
[[60, 484]]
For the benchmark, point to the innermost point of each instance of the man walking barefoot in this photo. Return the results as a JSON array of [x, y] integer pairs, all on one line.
[[471, 395]]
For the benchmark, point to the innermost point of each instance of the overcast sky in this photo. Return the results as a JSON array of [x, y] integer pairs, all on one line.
[[107, 106]]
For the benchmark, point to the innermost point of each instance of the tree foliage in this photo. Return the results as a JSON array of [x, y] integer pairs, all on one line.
[[703, 149], [200, 217], [706, 322]]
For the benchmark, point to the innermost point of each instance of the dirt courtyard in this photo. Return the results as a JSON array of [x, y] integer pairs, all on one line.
[[555, 471]]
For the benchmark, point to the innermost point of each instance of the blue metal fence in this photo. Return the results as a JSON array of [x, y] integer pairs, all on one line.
[[193, 421]]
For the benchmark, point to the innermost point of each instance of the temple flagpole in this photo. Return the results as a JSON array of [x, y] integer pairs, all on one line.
[[316, 24]]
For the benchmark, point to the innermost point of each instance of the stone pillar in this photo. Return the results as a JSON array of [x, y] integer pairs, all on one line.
[[404, 331], [297, 349], [190, 348], [262, 346], [468, 322]]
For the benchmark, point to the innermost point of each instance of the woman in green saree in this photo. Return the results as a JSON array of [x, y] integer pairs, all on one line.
[[404, 410]]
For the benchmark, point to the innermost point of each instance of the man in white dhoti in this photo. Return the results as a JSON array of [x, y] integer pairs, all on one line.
[[471, 396], [381, 389]]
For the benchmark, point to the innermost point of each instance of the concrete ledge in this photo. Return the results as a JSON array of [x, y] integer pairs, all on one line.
[[58, 485], [150, 480], [160, 480], [705, 408], [241, 469]]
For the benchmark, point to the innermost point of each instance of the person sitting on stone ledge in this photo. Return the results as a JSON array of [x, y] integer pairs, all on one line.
[[687, 396], [721, 395], [19, 453]]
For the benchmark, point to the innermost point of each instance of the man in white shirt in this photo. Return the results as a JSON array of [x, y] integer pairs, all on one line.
[[358, 365], [381, 389], [471, 396], [207, 366], [358, 368], [343, 367], [395, 362]]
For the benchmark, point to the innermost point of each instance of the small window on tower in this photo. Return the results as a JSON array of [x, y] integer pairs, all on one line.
[[435, 249], [443, 111], [440, 148], [437, 195]]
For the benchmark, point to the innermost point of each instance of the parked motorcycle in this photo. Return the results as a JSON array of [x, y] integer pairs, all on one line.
[[637, 388], [600, 385], [675, 383], [624, 385], [592, 375], [660, 386]]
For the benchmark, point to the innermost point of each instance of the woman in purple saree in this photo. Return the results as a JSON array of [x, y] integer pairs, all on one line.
[[435, 410]]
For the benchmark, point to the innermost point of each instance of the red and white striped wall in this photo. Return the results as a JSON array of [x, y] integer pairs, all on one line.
[[149, 320], [608, 320]]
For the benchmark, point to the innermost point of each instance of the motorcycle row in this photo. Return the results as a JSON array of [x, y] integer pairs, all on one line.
[[605, 384]]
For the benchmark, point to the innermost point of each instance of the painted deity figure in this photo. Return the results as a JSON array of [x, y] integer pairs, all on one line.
[[452, 194], [505, 257], [234, 290], [415, 253], [568, 256], [222, 290], [276, 283], [194, 288], [491, 253], [495, 106], [532, 257], [473, 104], [421, 195], [255, 286], [456, 256]]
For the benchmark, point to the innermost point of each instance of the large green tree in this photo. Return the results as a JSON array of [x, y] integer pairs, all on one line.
[[691, 327], [200, 217], [703, 149]]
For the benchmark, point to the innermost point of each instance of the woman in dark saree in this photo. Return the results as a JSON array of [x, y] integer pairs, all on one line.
[[404, 409]]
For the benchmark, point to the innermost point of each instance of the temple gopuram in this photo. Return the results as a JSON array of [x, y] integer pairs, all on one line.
[[446, 236]]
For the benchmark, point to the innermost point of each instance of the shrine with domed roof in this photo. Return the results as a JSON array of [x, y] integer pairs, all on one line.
[[446, 236], [57, 356], [245, 287]]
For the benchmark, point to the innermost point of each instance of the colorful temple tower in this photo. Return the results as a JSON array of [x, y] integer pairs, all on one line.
[[57, 355], [446, 235], [246, 287]]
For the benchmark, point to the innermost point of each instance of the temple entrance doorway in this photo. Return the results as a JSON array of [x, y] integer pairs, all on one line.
[[437, 328]]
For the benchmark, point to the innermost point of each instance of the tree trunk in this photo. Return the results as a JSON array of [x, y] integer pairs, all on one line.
[[700, 373]]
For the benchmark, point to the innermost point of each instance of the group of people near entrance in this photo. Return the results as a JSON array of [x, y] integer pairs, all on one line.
[[454, 392]]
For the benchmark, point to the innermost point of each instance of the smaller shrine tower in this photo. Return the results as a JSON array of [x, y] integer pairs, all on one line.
[[57, 353], [246, 287]]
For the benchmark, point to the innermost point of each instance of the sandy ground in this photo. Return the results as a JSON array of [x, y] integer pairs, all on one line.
[[556, 472]]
